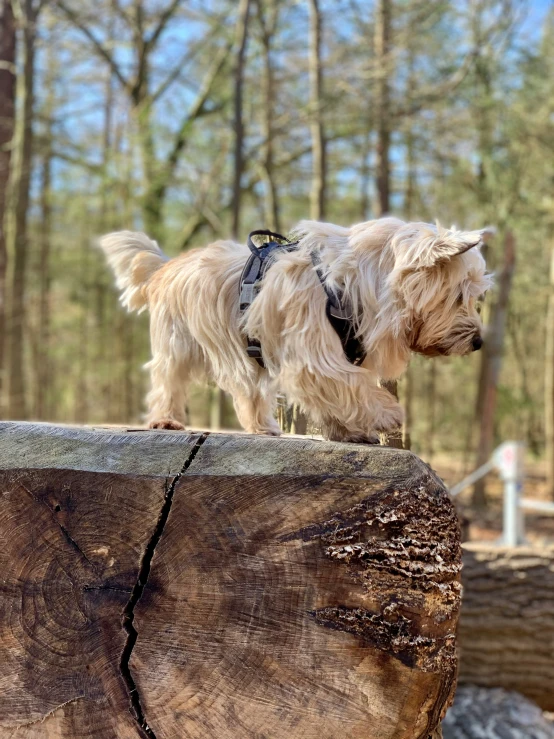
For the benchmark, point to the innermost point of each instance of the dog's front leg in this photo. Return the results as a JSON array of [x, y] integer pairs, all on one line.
[[380, 414], [255, 413], [167, 398], [349, 406]]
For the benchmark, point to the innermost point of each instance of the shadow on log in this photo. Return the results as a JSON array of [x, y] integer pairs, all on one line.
[[161, 584]]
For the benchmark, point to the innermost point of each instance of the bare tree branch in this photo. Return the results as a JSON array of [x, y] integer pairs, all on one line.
[[99, 47], [164, 19], [185, 59], [198, 107], [65, 156], [437, 92]]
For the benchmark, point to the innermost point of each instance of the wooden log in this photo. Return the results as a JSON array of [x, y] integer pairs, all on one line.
[[162, 584], [506, 631]]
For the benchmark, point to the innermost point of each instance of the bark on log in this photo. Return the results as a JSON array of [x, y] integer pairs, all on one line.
[[166, 584], [506, 632]]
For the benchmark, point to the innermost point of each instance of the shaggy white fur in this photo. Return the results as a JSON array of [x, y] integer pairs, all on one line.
[[412, 287]]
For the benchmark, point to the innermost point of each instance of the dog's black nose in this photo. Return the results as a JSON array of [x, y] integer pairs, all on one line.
[[477, 343]]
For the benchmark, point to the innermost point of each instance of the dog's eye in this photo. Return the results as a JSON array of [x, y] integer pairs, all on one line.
[[460, 299]]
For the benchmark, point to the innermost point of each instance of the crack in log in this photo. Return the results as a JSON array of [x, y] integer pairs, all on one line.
[[128, 615]]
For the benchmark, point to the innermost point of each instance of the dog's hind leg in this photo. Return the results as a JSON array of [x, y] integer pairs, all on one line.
[[255, 413], [166, 400]]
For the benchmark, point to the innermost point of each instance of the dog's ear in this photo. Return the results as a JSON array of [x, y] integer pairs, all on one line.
[[421, 245], [450, 243]]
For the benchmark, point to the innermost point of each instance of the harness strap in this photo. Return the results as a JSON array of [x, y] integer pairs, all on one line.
[[257, 264], [339, 313], [338, 310]]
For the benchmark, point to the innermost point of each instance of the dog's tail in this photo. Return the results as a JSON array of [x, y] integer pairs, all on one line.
[[134, 258]]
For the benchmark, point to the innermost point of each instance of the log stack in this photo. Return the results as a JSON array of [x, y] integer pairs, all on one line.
[[506, 632], [162, 584]]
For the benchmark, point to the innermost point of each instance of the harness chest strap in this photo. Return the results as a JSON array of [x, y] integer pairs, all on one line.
[[339, 313]]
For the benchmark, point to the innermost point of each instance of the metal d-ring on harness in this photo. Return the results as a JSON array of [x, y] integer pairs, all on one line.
[[339, 312]]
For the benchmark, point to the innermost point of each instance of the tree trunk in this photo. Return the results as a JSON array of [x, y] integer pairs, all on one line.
[[382, 44], [42, 407], [319, 164], [113, 212], [365, 172], [241, 37], [409, 198], [506, 628], [43, 375], [152, 203], [549, 384], [240, 42], [81, 360], [267, 15], [408, 409], [299, 423], [431, 410], [223, 586], [26, 18], [491, 361], [383, 15], [7, 114], [394, 438], [217, 408], [409, 139]]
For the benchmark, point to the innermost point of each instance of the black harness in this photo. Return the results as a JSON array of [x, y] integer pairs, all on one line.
[[338, 310]]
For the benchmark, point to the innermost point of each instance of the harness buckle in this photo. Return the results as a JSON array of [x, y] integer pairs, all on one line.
[[247, 293], [254, 351]]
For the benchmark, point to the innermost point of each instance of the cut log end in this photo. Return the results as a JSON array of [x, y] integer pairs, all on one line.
[[168, 585]]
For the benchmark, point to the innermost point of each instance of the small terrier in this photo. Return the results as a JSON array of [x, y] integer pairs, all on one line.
[[411, 287]]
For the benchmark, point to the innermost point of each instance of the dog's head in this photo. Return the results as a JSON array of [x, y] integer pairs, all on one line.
[[438, 277]]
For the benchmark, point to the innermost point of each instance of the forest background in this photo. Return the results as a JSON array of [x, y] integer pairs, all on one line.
[[206, 119]]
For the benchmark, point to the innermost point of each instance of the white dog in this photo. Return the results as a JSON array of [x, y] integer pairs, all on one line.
[[410, 287]]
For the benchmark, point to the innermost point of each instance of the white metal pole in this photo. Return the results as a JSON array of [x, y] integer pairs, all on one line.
[[511, 513]]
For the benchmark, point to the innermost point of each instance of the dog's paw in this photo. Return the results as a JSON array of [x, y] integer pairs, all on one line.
[[166, 423], [373, 440], [268, 431], [389, 419], [355, 439], [335, 431]]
